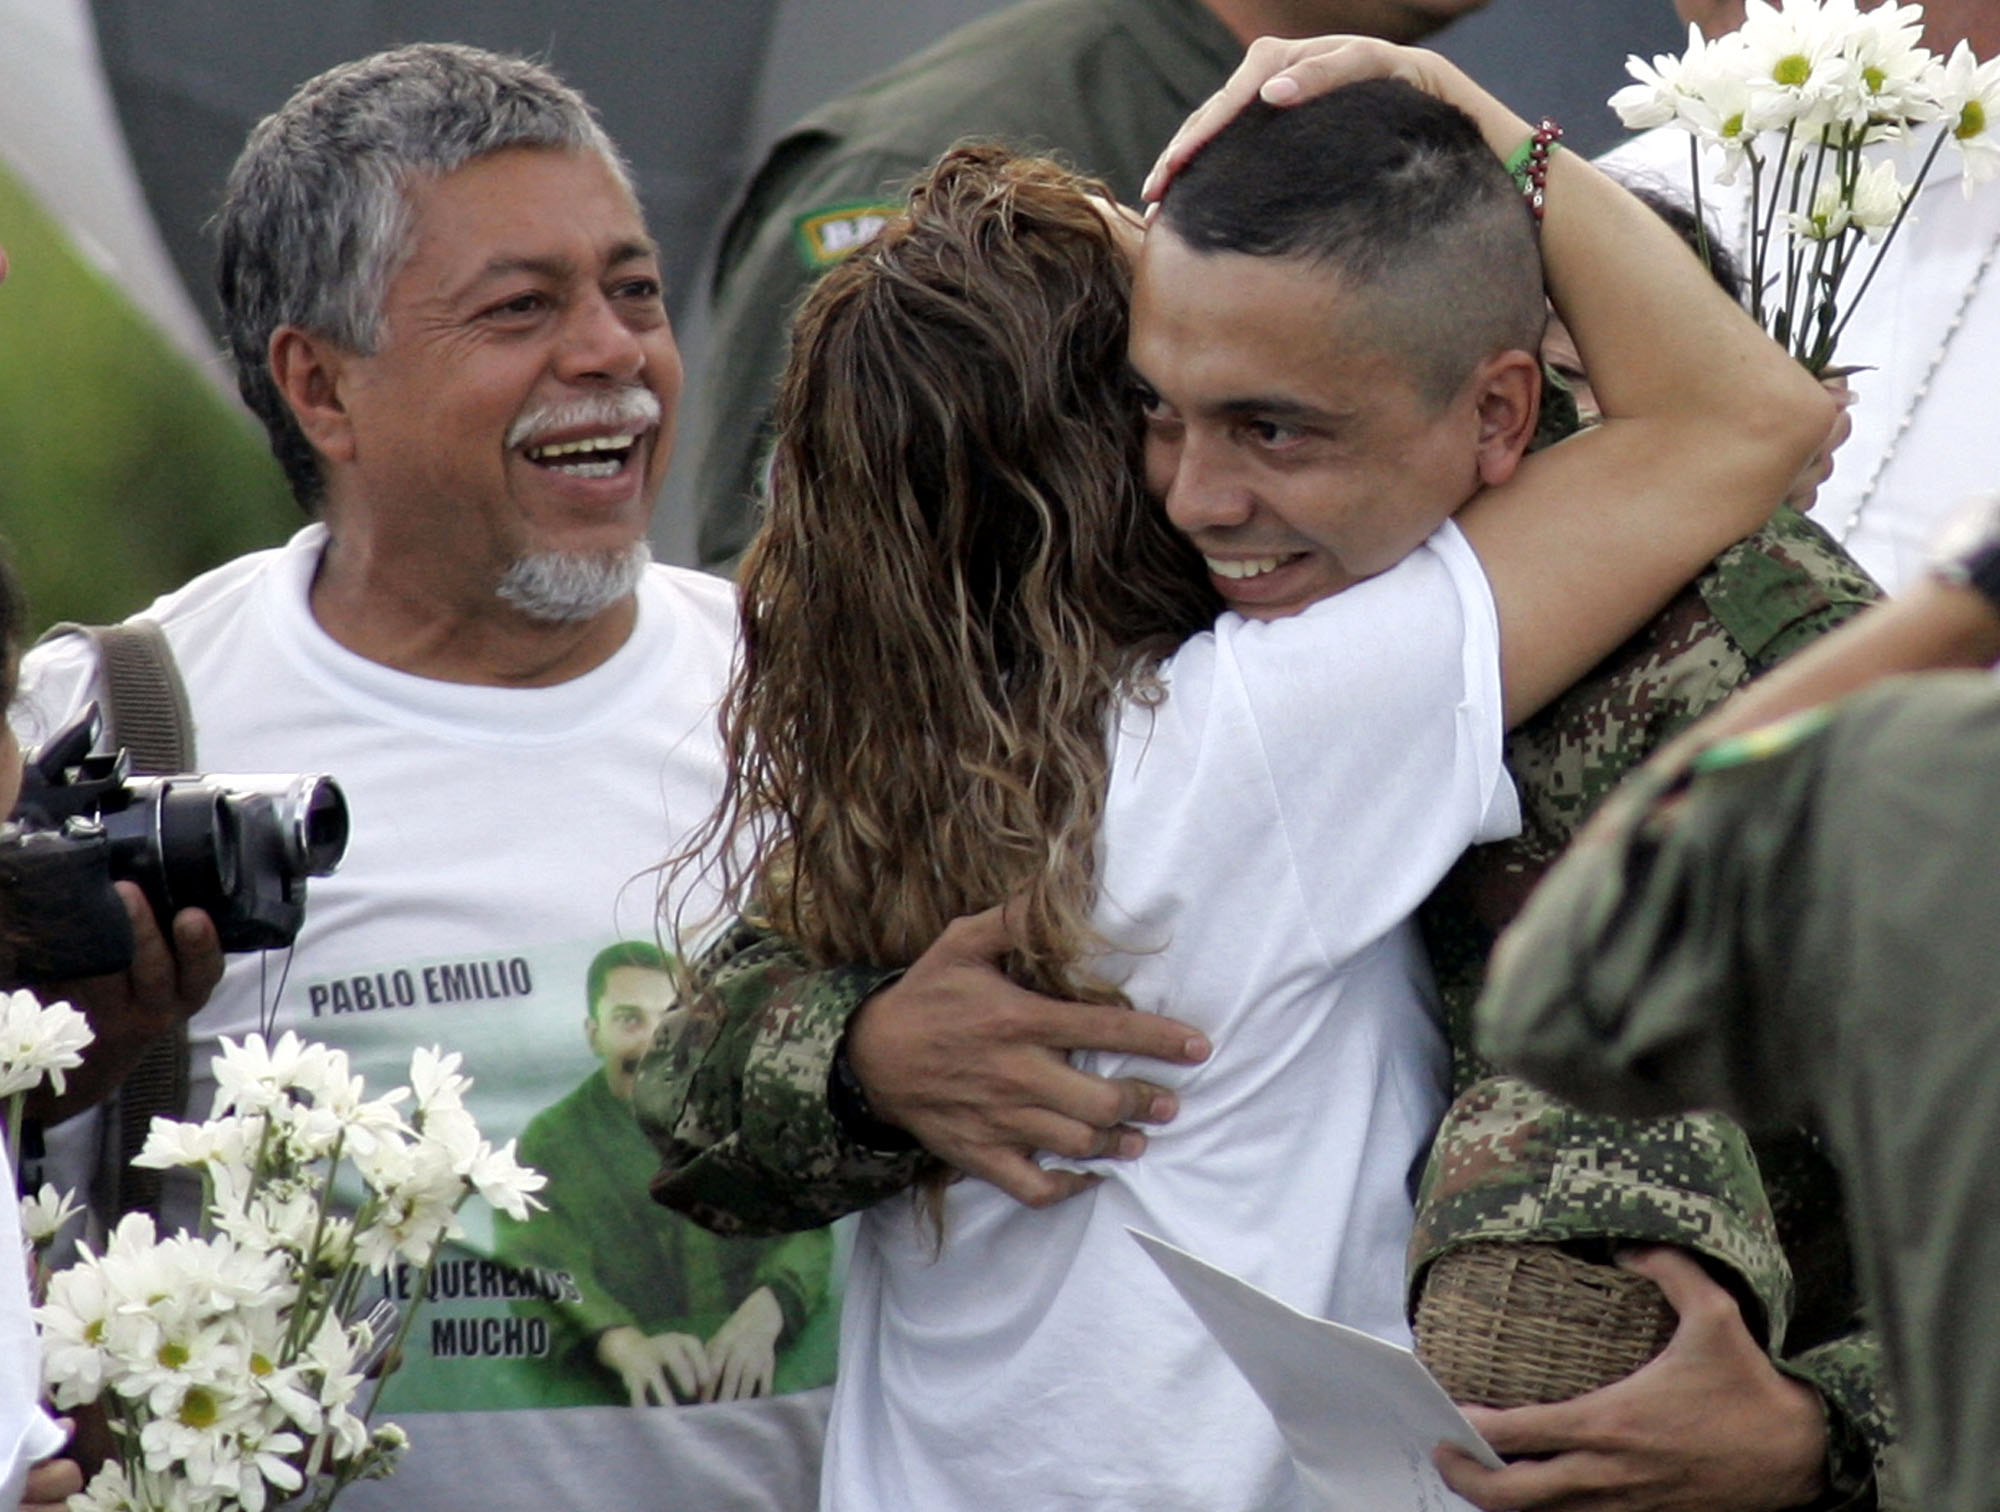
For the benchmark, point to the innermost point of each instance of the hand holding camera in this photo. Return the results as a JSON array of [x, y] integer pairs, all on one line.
[[122, 893], [239, 848]]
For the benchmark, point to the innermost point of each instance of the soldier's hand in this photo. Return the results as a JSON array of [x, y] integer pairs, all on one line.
[[1804, 492], [743, 1353], [168, 980], [50, 1485], [1709, 1425], [977, 1068], [644, 1364], [53, 1481]]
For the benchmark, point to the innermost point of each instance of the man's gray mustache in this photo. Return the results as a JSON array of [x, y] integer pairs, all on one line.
[[635, 408]]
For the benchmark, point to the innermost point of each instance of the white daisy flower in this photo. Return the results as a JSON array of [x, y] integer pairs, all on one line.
[[1792, 61], [44, 1215], [38, 1042], [1970, 97]]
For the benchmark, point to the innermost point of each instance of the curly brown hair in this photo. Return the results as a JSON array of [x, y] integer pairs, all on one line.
[[958, 577]]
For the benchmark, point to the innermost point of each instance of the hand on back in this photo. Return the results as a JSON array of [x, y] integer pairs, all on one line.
[[976, 1068]]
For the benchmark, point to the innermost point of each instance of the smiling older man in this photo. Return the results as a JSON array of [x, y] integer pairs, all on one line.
[[443, 303]]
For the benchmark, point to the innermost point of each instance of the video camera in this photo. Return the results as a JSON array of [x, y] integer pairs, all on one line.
[[239, 847]]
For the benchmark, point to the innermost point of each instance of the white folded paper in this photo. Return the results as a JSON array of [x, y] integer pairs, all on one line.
[[1360, 1416]]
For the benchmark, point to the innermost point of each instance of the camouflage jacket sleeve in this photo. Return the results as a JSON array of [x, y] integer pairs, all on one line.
[[1695, 1183], [733, 1094], [1760, 601]]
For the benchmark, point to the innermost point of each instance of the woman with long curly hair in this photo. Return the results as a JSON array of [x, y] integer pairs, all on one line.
[[979, 666], [958, 577]]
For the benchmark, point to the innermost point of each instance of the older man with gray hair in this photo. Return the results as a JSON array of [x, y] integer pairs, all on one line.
[[443, 303]]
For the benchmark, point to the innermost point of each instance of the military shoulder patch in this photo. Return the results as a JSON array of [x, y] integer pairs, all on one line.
[[825, 236], [1765, 741]]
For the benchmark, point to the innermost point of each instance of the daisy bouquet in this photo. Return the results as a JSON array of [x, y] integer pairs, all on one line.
[[38, 1043], [233, 1366], [1795, 97]]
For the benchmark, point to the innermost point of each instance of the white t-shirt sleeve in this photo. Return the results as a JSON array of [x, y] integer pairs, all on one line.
[[1370, 724], [57, 680], [27, 1433]]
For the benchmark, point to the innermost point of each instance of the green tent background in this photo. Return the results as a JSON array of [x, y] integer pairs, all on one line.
[[123, 470]]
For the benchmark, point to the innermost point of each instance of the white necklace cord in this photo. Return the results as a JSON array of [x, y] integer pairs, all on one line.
[[1920, 393]]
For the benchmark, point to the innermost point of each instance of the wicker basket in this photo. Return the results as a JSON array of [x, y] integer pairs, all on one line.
[[1507, 1325]]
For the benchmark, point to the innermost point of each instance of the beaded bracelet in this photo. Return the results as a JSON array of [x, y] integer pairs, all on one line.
[[1530, 164]]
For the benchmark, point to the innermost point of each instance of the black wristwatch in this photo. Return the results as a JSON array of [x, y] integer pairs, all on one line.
[[1967, 553], [849, 1106]]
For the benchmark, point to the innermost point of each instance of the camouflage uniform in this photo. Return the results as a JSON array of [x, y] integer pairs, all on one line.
[[1102, 83], [734, 1094], [1799, 922], [739, 1105], [1759, 602]]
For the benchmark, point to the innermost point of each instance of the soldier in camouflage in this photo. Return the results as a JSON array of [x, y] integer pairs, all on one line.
[[1100, 83], [1756, 605], [760, 1131], [1794, 919], [756, 1136]]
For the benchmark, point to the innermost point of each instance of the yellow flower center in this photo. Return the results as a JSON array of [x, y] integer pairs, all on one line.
[[1733, 127], [93, 1331], [260, 1366], [1792, 71], [1874, 78], [173, 1355], [1971, 121], [199, 1409]]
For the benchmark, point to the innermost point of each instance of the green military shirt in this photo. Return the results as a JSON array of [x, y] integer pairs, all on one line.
[[1101, 83], [627, 1262], [1511, 1163], [1799, 923]]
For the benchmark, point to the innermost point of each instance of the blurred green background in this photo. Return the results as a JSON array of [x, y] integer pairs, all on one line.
[[123, 470]]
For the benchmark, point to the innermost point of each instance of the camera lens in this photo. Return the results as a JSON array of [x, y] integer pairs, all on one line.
[[199, 846], [319, 825]]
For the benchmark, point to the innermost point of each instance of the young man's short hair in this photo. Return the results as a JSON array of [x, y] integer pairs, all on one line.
[[1398, 195]]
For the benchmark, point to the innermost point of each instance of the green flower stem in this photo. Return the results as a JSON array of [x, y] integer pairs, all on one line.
[[1818, 306], [125, 1435], [345, 1285], [1757, 241], [1888, 241], [1850, 243], [16, 1109], [298, 1332], [1795, 256], [1761, 241], [260, 1165], [409, 1317], [1844, 183], [1700, 219]]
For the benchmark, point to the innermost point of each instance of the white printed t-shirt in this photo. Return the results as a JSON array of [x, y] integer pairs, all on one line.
[[501, 837], [1268, 831]]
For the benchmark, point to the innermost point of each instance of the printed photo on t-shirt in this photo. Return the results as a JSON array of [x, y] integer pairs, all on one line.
[[602, 1297]]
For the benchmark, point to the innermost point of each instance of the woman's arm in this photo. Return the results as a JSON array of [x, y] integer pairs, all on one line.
[[1707, 421]]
